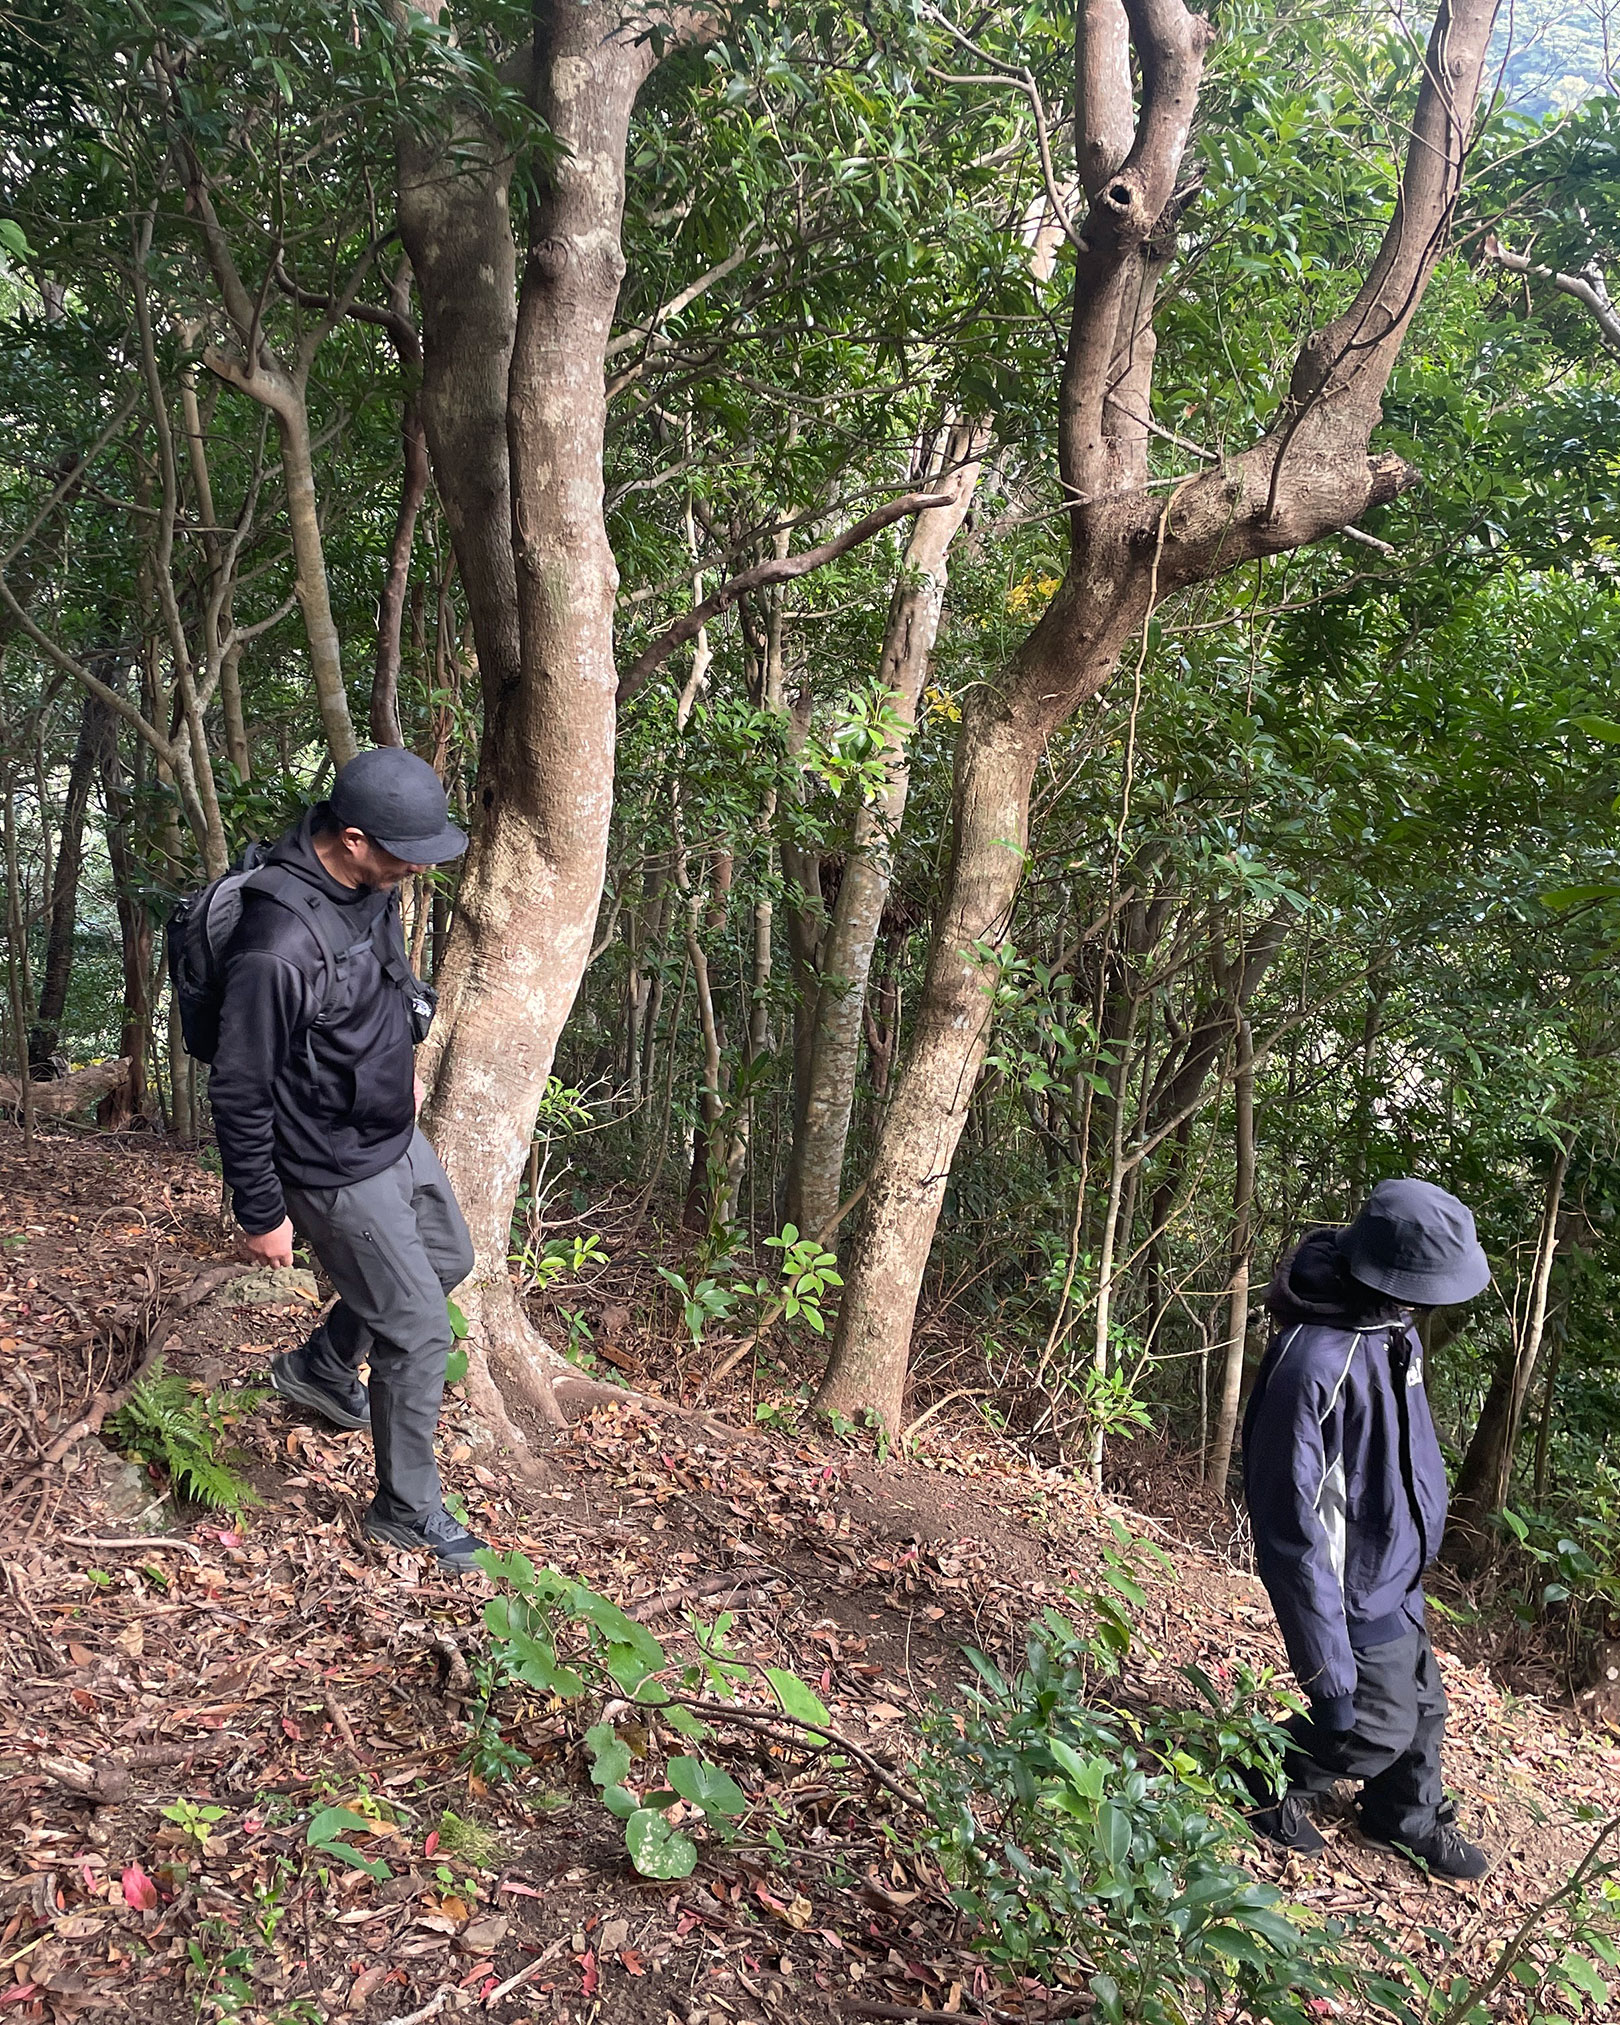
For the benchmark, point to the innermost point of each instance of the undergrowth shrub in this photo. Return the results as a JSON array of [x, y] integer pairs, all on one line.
[[1087, 1842], [553, 1634], [187, 1436]]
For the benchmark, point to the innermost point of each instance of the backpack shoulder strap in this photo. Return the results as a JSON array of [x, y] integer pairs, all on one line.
[[305, 904]]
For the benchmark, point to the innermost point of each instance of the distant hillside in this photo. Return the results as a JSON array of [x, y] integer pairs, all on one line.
[[1557, 52]]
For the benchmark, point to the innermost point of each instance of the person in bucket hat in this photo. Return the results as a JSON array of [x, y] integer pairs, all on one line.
[[1346, 1491], [315, 1098]]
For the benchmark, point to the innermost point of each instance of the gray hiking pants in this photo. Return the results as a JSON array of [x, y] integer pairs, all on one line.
[[1394, 1748], [393, 1246]]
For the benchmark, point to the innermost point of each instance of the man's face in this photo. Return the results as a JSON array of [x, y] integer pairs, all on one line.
[[371, 864]]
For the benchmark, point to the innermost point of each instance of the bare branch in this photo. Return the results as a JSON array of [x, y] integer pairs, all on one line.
[[780, 569], [1588, 288]]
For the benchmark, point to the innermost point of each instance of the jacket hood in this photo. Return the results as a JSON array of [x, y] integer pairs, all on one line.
[[296, 850], [1312, 1283]]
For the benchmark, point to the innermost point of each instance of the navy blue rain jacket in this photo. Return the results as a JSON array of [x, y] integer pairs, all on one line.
[[1342, 1471]]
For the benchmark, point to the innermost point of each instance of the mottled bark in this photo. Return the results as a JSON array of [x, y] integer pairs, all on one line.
[[542, 613]]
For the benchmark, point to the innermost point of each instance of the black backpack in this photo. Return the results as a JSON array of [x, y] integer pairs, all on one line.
[[202, 924]]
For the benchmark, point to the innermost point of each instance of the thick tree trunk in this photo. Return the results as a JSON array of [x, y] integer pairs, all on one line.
[[528, 899], [1310, 475], [1219, 1461], [816, 1169]]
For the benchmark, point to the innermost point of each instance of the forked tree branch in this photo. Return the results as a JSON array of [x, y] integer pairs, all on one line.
[[1588, 288]]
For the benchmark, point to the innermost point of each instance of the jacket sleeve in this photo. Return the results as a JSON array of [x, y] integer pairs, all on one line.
[[1292, 1460], [268, 1004]]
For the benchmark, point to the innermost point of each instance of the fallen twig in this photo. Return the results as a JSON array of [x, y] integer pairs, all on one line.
[[158, 1540], [671, 1600], [733, 1712], [340, 1722]]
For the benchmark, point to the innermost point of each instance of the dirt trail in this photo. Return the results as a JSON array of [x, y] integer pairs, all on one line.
[[268, 1669]]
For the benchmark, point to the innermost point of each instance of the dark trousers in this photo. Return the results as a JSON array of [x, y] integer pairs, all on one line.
[[393, 1246], [1394, 1747]]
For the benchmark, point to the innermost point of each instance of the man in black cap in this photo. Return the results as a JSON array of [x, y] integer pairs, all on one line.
[[315, 1097], [1346, 1489]]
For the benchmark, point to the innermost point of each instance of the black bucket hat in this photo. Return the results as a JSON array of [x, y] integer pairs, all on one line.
[[398, 800], [1416, 1242]]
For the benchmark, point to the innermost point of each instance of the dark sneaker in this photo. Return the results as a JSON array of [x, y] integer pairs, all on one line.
[[1288, 1825], [1443, 1852], [349, 1409], [450, 1544]]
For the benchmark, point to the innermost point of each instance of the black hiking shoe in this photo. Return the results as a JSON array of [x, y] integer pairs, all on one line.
[[1288, 1824], [350, 1409], [450, 1544], [1443, 1852]]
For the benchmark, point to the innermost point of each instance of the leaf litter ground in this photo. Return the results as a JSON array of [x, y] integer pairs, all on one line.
[[212, 1683]]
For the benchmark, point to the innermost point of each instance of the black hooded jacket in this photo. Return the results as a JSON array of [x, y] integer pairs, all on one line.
[[311, 1085], [1342, 1470]]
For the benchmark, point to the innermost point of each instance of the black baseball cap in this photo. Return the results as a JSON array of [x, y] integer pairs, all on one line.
[[398, 800], [1416, 1242]]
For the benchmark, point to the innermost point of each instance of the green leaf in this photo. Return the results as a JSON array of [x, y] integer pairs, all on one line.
[[455, 1367], [332, 1821], [1113, 1833], [1237, 1946], [706, 1786], [619, 1800], [13, 239], [656, 1849], [1085, 1775], [1603, 729], [1581, 1973], [610, 1754], [797, 1700], [373, 1866], [458, 1321]]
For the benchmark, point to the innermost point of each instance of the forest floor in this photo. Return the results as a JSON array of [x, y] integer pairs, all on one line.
[[182, 1663]]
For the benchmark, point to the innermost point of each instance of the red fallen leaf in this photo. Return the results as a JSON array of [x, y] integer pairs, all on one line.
[[140, 1893], [19, 1993], [511, 1884], [629, 1960], [230, 1539], [431, 1843], [685, 1924], [587, 1974], [290, 1729]]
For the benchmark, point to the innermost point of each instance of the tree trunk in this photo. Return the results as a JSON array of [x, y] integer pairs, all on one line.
[[528, 899], [313, 591], [120, 1107], [816, 1169], [1311, 474], [16, 960], [1487, 1468], [385, 724], [996, 758], [62, 919], [1219, 1461]]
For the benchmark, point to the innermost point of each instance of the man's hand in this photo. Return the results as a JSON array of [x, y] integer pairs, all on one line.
[[269, 1248], [420, 1089]]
